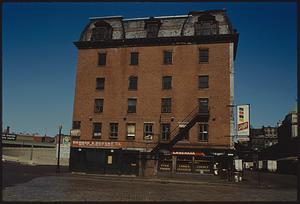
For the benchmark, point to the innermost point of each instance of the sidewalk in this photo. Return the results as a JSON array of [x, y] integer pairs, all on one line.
[[176, 179], [31, 162]]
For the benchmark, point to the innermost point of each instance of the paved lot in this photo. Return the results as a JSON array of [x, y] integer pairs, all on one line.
[[76, 187]]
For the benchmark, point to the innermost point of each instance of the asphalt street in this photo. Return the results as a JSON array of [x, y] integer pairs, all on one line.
[[41, 183]]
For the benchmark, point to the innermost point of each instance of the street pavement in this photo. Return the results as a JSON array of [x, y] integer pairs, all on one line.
[[43, 184]]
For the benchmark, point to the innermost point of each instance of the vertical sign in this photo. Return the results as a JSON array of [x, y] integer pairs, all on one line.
[[64, 147], [243, 123]]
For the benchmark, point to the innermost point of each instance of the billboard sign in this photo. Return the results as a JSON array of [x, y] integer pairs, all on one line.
[[11, 137], [243, 123]]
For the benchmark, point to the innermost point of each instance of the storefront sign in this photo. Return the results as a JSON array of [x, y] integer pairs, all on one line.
[[243, 123], [95, 144], [189, 153]]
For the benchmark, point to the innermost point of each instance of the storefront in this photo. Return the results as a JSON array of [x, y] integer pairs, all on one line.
[[103, 158], [186, 162]]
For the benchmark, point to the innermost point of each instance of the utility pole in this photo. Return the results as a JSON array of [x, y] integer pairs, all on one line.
[[58, 156]]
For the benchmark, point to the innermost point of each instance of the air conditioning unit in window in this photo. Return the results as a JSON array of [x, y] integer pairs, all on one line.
[[148, 137], [97, 134]]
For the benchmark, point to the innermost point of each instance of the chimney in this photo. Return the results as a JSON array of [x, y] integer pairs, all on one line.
[[7, 130]]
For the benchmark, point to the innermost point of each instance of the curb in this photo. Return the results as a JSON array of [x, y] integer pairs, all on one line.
[[135, 178]]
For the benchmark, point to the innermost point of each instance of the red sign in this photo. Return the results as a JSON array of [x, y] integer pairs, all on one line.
[[243, 126], [95, 144]]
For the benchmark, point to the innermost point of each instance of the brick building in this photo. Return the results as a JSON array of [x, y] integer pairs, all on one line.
[[139, 84], [264, 137]]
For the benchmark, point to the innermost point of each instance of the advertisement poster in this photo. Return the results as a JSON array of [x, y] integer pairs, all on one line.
[[243, 123], [64, 147]]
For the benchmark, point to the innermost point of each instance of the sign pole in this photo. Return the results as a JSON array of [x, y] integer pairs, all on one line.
[[58, 156]]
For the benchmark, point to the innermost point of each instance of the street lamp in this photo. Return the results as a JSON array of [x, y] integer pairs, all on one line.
[[58, 156]]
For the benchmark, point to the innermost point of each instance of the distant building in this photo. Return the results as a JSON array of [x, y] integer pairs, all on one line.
[[25, 140], [286, 150], [262, 138], [288, 130]]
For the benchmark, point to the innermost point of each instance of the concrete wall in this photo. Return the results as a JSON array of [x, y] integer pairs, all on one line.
[[39, 156]]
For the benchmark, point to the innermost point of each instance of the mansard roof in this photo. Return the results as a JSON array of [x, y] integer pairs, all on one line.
[[170, 27]]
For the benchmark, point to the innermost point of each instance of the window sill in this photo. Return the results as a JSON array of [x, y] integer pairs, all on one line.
[[184, 141], [96, 138]]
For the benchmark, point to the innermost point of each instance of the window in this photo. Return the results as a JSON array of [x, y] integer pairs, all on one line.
[[113, 130], [132, 83], [148, 131], [167, 57], [98, 105], [206, 25], [152, 30], [101, 31], [203, 132], [97, 130], [134, 58], [130, 131], [203, 55], [100, 83], [165, 131], [76, 125], [182, 125], [131, 106], [203, 105], [167, 82], [102, 59], [206, 28], [203, 82], [166, 105]]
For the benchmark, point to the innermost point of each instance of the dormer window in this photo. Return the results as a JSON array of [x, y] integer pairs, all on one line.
[[152, 31], [101, 31], [206, 25], [152, 27]]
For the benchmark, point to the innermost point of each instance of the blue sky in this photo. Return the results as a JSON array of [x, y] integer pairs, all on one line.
[[39, 58]]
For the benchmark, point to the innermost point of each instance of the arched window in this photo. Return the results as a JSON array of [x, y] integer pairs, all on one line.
[[101, 31], [206, 25]]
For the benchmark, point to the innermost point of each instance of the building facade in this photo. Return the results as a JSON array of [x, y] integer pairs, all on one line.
[[262, 138], [139, 80], [288, 129]]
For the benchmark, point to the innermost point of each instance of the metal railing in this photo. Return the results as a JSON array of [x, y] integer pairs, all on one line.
[[177, 130]]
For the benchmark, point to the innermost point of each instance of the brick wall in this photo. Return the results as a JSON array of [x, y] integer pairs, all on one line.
[[185, 93]]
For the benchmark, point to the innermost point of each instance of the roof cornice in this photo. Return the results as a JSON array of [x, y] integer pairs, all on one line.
[[160, 41]]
